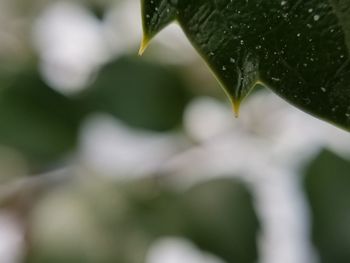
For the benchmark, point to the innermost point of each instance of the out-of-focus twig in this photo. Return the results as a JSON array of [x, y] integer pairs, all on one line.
[[28, 187]]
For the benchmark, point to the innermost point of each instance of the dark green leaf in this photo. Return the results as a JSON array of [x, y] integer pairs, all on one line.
[[300, 49]]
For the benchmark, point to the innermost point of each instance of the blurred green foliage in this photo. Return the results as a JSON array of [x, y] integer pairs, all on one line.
[[222, 220], [142, 94], [43, 124], [327, 185], [119, 222], [37, 121]]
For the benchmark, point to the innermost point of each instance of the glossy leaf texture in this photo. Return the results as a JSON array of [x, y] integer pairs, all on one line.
[[299, 49]]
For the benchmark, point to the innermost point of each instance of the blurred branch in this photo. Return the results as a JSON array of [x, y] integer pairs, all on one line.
[[27, 188]]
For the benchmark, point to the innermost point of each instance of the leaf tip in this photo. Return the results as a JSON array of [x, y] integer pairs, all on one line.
[[144, 44], [236, 105]]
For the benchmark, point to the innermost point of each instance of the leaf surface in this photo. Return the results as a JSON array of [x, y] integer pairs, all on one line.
[[299, 49]]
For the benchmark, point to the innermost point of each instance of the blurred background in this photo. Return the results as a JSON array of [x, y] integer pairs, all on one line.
[[109, 157]]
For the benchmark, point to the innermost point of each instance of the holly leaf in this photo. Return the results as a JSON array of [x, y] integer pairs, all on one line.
[[299, 49]]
